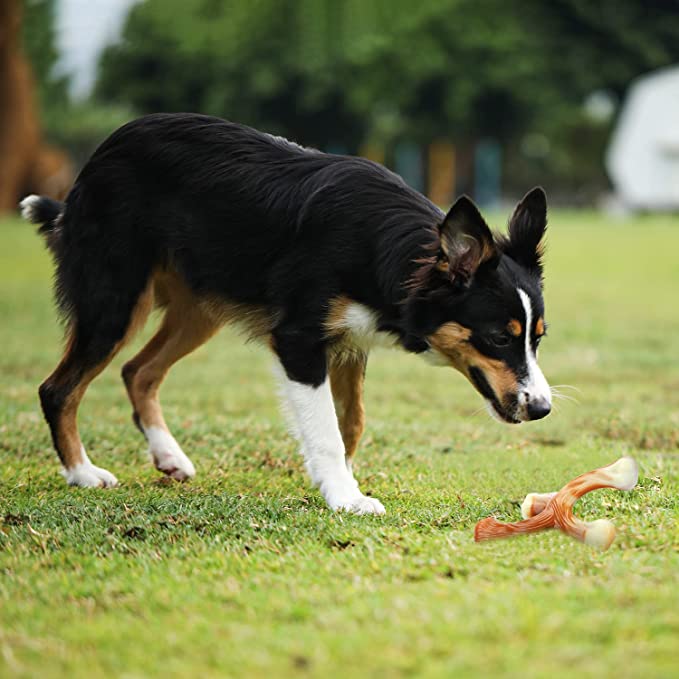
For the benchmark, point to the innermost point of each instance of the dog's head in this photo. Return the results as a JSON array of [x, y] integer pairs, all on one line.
[[477, 306]]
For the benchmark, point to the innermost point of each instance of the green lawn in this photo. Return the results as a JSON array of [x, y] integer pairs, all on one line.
[[244, 572]]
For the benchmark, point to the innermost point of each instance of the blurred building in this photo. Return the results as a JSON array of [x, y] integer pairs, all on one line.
[[643, 156]]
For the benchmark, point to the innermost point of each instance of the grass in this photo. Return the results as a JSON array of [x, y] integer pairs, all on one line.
[[244, 572]]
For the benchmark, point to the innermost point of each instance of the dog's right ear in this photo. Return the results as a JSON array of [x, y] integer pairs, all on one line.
[[466, 243], [527, 227]]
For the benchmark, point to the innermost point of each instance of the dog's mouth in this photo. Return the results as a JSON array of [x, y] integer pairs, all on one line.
[[501, 415], [506, 411]]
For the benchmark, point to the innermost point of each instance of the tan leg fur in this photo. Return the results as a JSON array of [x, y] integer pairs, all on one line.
[[346, 381]]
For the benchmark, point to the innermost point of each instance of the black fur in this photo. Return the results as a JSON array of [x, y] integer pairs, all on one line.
[[258, 220], [52, 400], [526, 231], [466, 243], [45, 212]]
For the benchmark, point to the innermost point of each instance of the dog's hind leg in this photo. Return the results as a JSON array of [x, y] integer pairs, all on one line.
[[185, 327], [91, 347], [346, 380]]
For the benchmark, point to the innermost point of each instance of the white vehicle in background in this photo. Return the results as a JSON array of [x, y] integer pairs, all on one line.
[[643, 156]]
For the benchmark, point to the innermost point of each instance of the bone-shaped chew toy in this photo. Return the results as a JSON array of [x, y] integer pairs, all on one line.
[[555, 510]]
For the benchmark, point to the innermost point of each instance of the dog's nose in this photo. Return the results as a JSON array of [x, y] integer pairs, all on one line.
[[538, 408]]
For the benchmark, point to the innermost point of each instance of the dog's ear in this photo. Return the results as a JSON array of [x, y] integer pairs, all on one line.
[[466, 243], [527, 228]]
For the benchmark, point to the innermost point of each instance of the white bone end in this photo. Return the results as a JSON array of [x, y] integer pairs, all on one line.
[[527, 506], [624, 473], [599, 534], [534, 503]]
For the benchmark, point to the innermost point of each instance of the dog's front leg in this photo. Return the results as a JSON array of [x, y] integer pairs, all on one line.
[[314, 422]]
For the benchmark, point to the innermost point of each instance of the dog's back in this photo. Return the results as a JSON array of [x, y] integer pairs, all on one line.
[[239, 213]]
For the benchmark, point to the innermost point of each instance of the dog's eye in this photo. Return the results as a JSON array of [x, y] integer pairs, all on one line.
[[500, 339], [538, 339]]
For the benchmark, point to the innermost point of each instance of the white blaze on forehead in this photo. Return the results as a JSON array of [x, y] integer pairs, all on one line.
[[535, 383], [528, 310]]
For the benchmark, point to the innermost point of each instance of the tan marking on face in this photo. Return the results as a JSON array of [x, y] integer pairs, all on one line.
[[451, 340], [540, 327], [448, 339], [502, 380], [514, 328]]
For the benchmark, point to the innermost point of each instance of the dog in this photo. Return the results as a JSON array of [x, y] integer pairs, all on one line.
[[320, 256]]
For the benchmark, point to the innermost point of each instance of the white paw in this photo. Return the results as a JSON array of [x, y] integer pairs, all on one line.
[[86, 475], [348, 498], [167, 456], [342, 493], [362, 505]]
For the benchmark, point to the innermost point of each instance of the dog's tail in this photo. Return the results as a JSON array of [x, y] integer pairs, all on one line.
[[43, 211]]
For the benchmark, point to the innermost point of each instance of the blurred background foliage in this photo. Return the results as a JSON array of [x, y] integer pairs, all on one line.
[[542, 79], [77, 125]]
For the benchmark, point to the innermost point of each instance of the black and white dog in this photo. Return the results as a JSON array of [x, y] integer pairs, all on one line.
[[321, 256]]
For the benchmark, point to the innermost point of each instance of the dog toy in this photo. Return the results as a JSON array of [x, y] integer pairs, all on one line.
[[555, 510]]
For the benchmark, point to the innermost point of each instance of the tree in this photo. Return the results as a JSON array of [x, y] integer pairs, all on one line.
[[39, 38], [234, 59], [324, 71]]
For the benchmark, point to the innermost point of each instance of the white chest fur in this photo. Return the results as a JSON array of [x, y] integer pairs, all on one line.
[[357, 326]]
